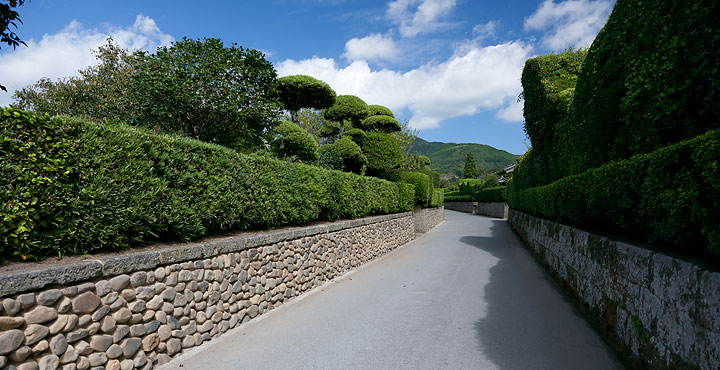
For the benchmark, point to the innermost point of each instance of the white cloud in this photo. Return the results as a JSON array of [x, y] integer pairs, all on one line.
[[481, 78], [62, 54], [483, 31], [569, 23], [374, 47], [419, 16]]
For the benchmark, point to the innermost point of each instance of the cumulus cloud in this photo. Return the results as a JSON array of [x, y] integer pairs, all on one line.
[[569, 23], [62, 54], [419, 16], [375, 47], [481, 78]]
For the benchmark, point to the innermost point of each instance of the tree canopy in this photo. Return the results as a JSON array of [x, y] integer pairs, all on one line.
[[292, 141], [347, 108], [9, 18], [301, 91], [471, 171]]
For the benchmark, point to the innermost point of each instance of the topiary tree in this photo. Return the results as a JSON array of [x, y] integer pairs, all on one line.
[[379, 110], [357, 135], [383, 154], [381, 124], [352, 156], [471, 171], [347, 108], [292, 141], [301, 91]]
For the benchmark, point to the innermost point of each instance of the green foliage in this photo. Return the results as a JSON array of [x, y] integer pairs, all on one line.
[[438, 198], [300, 91], [292, 141], [383, 154], [103, 92], [423, 186], [357, 135], [494, 194], [71, 186], [672, 194], [8, 18], [379, 110], [196, 88], [352, 156], [459, 198], [548, 82], [207, 91], [444, 157], [385, 124], [470, 171], [311, 120], [469, 186], [36, 166], [406, 198], [406, 136], [346, 108], [329, 158], [650, 79]]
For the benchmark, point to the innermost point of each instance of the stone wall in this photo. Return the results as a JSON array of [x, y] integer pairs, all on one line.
[[137, 310], [497, 210], [427, 218], [660, 312]]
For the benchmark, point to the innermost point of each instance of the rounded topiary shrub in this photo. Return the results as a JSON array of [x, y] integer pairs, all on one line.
[[381, 124], [379, 110], [292, 141]]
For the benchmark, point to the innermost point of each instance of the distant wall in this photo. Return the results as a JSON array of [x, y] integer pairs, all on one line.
[[427, 218], [662, 312], [498, 210], [139, 309]]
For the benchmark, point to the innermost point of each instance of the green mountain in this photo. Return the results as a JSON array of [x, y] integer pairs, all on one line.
[[449, 158]]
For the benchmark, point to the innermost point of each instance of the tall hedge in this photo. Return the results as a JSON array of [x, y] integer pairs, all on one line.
[[423, 186], [671, 195], [70, 186], [650, 79]]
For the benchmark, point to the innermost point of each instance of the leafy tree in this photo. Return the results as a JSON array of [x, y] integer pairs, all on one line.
[[352, 156], [292, 141], [471, 171], [379, 110], [312, 121], [381, 124], [357, 135], [102, 92], [300, 91], [405, 136], [202, 89], [383, 154], [348, 108], [8, 17]]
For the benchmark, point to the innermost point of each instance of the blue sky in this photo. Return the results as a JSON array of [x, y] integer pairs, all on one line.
[[451, 67]]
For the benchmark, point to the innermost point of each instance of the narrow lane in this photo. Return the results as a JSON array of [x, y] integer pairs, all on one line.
[[467, 295]]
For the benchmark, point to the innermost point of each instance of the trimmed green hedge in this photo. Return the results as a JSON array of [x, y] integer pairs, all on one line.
[[469, 186], [672, 195], [459, 198], [491, 195], [438, 198], [70, 186], [423, 186], [650, 79]]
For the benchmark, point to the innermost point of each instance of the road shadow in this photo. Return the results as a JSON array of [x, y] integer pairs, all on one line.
[[529, 324]]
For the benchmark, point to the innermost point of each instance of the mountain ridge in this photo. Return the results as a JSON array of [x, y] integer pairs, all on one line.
[[448, 159]]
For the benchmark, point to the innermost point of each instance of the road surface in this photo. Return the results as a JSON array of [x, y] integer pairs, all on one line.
[[467, 295]]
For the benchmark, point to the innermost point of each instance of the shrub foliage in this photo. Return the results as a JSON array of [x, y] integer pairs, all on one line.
[[71, 186]]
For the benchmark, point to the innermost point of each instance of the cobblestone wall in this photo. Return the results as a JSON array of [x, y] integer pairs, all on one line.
[[427, 218], [662, 312], [138, 310]]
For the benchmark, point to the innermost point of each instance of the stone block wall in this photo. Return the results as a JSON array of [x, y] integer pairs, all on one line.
[[137, 310], [660, 312], [497, 210], [427, 218]]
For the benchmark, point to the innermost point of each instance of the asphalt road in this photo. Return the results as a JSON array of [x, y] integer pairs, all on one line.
[[467, 295]]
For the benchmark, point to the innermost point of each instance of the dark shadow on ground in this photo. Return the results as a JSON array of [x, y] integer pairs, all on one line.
[[529, 324]]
